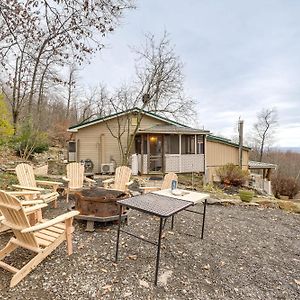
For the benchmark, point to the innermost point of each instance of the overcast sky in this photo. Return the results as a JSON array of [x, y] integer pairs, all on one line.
[[239, 57]]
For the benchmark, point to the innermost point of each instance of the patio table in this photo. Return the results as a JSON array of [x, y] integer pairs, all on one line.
[[187, 195], [161, 206]]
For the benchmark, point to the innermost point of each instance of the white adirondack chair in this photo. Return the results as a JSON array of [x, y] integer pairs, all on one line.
[[121, 180], [166, 184], [75, 178], [28, 195], [27, 181], [41, 238]]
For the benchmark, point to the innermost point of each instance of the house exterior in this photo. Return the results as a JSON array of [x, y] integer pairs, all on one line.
[[221, 151], [161, 145]]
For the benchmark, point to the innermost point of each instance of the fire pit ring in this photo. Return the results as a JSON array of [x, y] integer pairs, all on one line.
[[99, 205]]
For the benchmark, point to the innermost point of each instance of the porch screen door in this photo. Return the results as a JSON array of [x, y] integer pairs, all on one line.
[[155, 153]]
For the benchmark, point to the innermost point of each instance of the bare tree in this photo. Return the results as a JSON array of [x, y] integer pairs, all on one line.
[[94, 103], [158, 87], [159, 75], [264, 129], [71, 86], [34, 33]]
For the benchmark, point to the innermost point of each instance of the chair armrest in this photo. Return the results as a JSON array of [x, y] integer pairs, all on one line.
[[24, 193], [110, 180], [66, 179], [30, 188], [52, 222], [31, 209], [89, 180], [148, 189], [32, 202], [129, 183], [44, 182]]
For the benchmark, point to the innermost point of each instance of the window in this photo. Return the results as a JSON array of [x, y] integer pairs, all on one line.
[[187, 144], [172, 144], [138, 144], [72, 146], [200, 144], [134, 121], [145, 145]]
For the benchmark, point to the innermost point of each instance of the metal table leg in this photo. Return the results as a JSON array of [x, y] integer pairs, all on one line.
[[172, 222], [203, 218], [158, 249], [118, 235]]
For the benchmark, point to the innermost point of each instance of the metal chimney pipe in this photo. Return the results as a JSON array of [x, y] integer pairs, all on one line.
[[241, 129]]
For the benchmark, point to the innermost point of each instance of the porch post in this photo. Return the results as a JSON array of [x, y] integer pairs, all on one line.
[[148, 153], [204, 161], [179, 153], [163, 165], [142, 154], [77, 150]]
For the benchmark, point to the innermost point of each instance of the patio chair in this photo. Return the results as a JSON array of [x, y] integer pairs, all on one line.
[[27, 182], [35, 216], [166, 184], [121, 181], [75, 178], [41, 238]]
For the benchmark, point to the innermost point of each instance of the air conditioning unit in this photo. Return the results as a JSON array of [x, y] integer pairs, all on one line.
[[108, 168]]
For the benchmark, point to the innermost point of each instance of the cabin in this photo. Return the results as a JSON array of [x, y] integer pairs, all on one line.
[[160, 145], [221, 151]]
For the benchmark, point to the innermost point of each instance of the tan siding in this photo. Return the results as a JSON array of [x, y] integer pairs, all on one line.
[[218, 154], [149, 122], [90, 137]]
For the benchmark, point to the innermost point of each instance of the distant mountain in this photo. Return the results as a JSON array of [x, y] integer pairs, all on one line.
[[292, 149]]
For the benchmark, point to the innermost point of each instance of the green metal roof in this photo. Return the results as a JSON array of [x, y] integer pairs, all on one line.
[[172, 129], [260, 165], [225, 141], [135, 109]]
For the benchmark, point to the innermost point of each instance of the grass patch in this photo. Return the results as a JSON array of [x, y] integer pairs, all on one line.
[[289, 206], [192, 181]]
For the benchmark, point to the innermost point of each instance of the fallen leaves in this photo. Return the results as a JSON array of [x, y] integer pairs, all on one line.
[[132, 257]]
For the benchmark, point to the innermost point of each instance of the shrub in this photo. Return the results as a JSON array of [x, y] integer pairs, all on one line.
[[232, 175], [246, 195], [29, 140], [285, 186], [6, 129]]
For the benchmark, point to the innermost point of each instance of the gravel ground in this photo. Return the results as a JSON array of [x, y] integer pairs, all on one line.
[[247, 253]]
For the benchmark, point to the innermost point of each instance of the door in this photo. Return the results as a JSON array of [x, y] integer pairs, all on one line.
[[155, 153]]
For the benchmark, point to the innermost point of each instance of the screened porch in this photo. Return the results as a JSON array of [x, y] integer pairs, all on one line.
[[161, 150]]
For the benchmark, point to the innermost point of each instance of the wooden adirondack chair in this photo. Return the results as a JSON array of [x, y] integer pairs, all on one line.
[[121, 180], [41, 238], [165, 185], [75, 178], [27, 182], [35, 216]]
